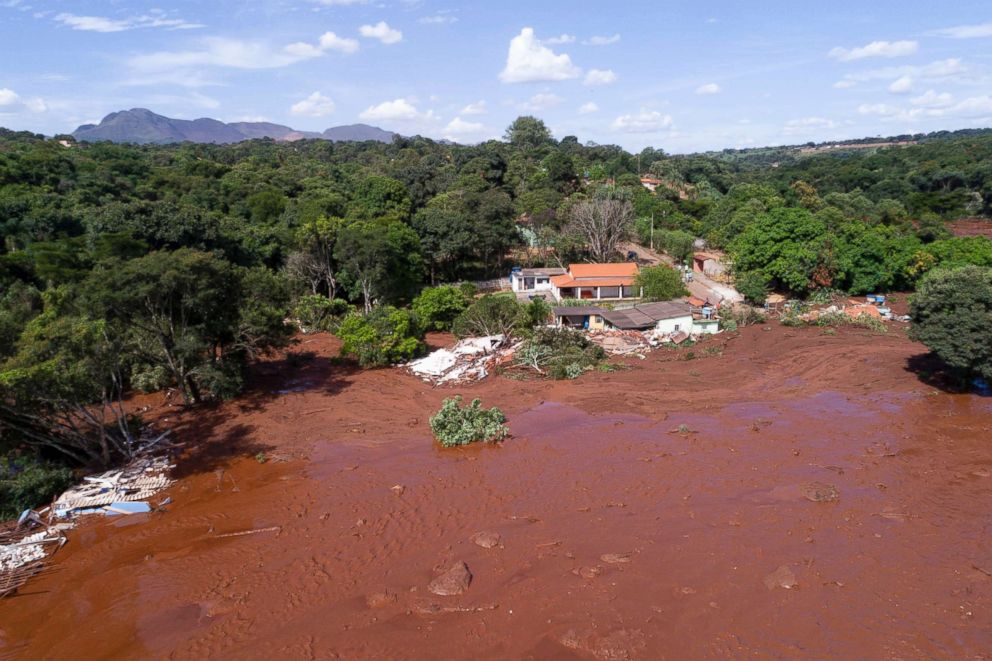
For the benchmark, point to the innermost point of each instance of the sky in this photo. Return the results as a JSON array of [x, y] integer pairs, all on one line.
[[678, 76]]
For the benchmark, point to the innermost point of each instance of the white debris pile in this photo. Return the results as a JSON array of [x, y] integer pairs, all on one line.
[[28, 549], [472, 359], [24, 548], [117, 491]]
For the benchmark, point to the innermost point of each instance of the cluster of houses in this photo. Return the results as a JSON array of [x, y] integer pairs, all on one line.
[[605, 297]]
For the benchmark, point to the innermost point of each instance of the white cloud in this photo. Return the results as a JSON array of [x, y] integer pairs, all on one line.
[[12, 102], [875, 49], [588, 108], [153, 19], [646, 121], [933, 106], [844, 84], [438, 19], [458, 127], [902, 85], [708, 88], [601, 41], [342, 3], [330, 41], [541, 101], [382, 32], [477, 108], [966, 31], [529, 61], [880, 109], [315, 105], [561, 39], [937, 70], [807, 125], [596, 77], [238, 54], [931, 99], [398, 110]]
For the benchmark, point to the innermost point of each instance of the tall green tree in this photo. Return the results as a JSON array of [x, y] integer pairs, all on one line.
[[952, 315]]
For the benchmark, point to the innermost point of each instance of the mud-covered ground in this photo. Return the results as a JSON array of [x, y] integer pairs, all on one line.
[[820, 501]]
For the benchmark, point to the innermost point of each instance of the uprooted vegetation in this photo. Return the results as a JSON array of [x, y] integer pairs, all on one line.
[[795, 318], [455, 425], [559, 353]]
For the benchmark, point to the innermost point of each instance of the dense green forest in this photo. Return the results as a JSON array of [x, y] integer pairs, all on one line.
[[126, 266]]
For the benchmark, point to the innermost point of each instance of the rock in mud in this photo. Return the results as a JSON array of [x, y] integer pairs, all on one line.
[[615, 558], [398, 489], [380, 599], [818, 492], [486, 539], [587, 572], [454, 581], [783, 577]]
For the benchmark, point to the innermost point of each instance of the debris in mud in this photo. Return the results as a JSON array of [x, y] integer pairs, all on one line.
[[139, 480], [620, 342], [380, 599], [472, 359], [398, 489], [818, 492], [454, 581], [588, 572], [434, 609], [24, 548], [615, 558], [620, 644], [486, 539], [783, 577]]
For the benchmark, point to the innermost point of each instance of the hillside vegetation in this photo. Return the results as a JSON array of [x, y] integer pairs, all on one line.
[[144, 266]]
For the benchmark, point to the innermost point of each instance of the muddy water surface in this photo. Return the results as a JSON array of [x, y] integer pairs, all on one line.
[[782, 517]]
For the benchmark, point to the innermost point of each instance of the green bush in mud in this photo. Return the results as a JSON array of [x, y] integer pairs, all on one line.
[[455, 425]]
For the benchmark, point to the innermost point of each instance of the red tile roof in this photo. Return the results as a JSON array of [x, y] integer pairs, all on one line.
[[625, 269]]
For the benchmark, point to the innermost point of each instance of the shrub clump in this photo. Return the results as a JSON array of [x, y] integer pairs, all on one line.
[[491, 315], [27, 482], [560, 353], [319, 313], [385, 336], [455, 425], [437, 307]]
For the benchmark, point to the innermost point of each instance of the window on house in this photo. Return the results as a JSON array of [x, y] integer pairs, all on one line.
[[676, 328]]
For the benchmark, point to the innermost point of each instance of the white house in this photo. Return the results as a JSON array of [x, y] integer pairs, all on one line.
[[533, 280]]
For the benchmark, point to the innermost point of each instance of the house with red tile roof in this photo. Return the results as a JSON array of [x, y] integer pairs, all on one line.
[[597, 282]]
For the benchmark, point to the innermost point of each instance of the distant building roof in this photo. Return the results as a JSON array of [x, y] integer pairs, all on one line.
[[623, 269], [566, 281], [647, 314], [542, 271], [705, 255]]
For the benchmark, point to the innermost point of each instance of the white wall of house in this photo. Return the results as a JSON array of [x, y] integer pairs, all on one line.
[[674, 325], [705, 326], [520, 282]]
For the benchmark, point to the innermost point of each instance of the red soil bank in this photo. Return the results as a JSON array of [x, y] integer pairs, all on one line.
[[814, 461]]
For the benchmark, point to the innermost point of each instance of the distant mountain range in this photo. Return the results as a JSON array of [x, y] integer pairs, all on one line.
[[142, 126]]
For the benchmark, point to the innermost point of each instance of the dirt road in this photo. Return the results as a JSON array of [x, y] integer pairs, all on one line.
[[701, 286], [781, 494]]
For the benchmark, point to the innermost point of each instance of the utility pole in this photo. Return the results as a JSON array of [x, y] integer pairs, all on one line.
[[652, 231]]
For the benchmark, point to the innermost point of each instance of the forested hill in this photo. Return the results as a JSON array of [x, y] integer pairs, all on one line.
[[142, 126], [455, 207]]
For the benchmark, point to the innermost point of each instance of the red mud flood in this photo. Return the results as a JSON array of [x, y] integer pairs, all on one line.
[[819, 502]]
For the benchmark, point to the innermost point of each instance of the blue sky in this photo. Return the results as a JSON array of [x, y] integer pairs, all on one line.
[[678, 76]]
